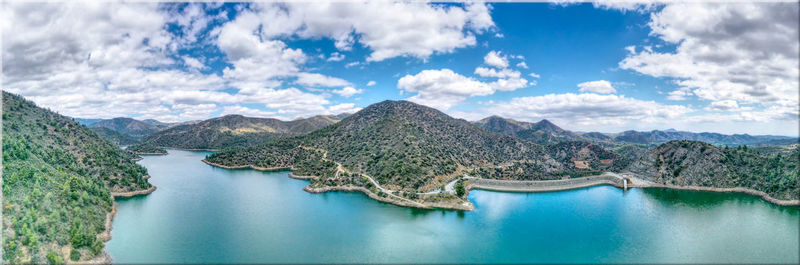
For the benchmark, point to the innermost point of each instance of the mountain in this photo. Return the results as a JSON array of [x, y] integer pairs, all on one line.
[[86, 122], [403, 146], [115, 137], [657, 137], [596, 136], [129, 126], [157, 123], [502, 125], [234, 130], [542, 132], [58, 177], [693, 163]]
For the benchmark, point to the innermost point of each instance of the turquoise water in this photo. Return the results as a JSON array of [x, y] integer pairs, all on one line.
[[202, 214]]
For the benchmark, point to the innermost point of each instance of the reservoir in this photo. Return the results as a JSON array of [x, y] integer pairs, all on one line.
[[204, 214]]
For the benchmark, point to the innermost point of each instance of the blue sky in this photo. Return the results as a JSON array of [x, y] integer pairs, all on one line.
[[604, 67]]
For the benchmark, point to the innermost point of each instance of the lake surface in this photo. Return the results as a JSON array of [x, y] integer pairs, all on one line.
[[204, 214]]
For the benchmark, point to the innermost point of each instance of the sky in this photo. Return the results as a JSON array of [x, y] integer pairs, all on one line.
[[607, 67]]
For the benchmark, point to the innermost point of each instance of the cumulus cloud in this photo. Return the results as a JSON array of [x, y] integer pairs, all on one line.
[[335, 57], [491, 72], [442, 88], [587, 109], [743, 52], [314, 79], [250, 112], [599, 86], [494, 58], [388, 29], [723, 105], [343, 108], [371, 83], [348, 91], [118, 59]]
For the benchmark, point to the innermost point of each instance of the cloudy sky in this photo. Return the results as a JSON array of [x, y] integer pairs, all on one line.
[[729, 68]]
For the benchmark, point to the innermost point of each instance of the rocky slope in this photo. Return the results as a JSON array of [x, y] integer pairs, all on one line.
[[693, 163]]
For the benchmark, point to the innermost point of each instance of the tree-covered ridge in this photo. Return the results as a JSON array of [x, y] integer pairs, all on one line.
[[234, 131], [146, 149], [57, 179], [405, 146], [115, 137], [700, 164]]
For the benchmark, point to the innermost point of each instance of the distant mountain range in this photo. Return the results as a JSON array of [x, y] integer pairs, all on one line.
[[545, 132], [234, 130]]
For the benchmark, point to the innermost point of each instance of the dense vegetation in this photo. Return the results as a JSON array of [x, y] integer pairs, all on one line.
[[407, 146], [115, 137], [57, 179], [701, 164], [146, 149], [234, 131]]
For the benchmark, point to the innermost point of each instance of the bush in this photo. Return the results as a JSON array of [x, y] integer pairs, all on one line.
[[54, 258], [74, 255]]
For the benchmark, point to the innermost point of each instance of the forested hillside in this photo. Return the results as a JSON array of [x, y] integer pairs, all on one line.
[[406, 146], [700, 164], [57, 179], [115, 137]]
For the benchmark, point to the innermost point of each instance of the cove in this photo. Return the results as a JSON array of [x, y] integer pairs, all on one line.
[[202, 214]]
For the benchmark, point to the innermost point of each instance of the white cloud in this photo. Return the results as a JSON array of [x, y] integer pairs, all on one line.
[[314, 79], [534, 75], [389, 29], [348, 91], [493, 58], [442, 88], [726, 106], [599, 86], [250, 112], [588, 109], [371, 83], [522, 65], [491, 72], [193, 63], [335, 57], [679, 94], [343, 108], [743, 52]]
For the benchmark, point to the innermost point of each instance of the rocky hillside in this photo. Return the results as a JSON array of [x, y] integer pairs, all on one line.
[[57, 179], [234, 130], [693, 163], [115, 137], [130, 126], [406, 146]]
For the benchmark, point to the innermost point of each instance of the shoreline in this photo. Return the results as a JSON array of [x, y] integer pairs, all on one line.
[[267, 169], [524, 186], [150, 154], [190, 149], [133, 193], [763, 195]]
